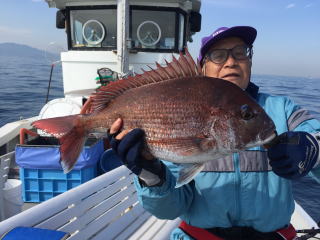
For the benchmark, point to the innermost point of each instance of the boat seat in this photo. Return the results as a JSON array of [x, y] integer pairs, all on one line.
[[103, 208]]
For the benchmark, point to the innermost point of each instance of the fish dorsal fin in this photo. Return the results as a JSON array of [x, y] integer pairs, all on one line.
[[177, 68]]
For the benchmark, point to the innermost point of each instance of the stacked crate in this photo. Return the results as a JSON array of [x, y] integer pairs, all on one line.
[[40, 171]]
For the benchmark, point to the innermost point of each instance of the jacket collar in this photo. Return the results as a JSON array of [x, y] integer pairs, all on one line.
[[252, 90]]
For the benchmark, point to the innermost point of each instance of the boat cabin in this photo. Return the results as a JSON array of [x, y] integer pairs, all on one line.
[[121, 36]]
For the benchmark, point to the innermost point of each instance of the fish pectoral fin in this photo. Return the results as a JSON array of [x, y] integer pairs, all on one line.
[[187, 172]]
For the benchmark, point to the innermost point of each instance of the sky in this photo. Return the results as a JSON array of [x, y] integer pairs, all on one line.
[[288, 40]]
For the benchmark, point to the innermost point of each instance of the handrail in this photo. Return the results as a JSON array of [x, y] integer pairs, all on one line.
[[67, 200], [11, 130], [24, 132]]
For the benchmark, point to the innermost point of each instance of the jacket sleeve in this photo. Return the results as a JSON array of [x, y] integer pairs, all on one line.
[[301, 119], [166, 201]]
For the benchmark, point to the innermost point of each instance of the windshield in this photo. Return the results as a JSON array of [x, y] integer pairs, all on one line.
[[154, 29], [150, 29], [94, 28]]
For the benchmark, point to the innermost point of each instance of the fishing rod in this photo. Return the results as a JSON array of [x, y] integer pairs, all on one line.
[[50, 78], [309, 233], [54, 59]]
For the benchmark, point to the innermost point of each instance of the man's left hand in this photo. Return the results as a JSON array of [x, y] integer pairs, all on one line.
[[294, 154]]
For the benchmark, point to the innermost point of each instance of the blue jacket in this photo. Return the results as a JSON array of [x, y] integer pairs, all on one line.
[[240, 191]]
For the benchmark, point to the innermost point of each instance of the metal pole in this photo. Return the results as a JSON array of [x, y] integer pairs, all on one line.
[[122, 35]]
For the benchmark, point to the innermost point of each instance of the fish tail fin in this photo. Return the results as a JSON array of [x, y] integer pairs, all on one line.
[[71, 135], [70, 149]]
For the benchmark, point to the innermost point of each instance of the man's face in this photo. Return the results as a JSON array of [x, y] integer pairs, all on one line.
[[232, 70]]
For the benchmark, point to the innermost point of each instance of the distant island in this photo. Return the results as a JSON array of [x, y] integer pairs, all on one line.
[[20, 50]]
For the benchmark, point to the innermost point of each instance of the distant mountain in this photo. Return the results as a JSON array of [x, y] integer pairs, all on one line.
[[19, 50]]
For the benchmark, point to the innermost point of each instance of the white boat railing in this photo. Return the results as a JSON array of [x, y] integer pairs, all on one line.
[[103, 208], [11, 130]]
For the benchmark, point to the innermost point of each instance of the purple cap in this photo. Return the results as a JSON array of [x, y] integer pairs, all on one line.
[[246, 33]]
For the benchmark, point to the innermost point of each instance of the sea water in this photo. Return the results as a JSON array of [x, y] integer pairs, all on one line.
[[23, 91], [305, 92]]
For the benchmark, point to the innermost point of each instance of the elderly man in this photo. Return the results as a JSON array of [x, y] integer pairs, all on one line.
[[249, 199]]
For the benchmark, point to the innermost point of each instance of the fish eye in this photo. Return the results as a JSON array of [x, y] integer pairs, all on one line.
[[246, 112]]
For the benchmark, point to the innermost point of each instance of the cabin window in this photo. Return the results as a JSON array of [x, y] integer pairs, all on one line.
[[154, 30], [151, 29], [96, 28]]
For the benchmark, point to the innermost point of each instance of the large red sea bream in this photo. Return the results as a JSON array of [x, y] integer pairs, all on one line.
[[187, 118]]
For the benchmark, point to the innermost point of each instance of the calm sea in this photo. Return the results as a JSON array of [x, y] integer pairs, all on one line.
[[24, 85]]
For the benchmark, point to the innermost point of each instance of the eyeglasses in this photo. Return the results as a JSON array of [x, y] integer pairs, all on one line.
[[219, 56]]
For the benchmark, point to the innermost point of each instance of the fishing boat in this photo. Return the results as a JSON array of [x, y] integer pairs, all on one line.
[[107, 39]]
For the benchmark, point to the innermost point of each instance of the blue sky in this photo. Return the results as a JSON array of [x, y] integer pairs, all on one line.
[[288, 41]]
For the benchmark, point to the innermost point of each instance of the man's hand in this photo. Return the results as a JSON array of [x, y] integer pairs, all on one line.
[[294, 154], [128, 145]]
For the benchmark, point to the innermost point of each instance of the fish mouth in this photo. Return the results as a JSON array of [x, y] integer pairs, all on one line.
[[270, 138]]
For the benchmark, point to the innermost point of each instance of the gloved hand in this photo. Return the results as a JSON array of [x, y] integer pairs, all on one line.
[[128, 148], [293, 154]]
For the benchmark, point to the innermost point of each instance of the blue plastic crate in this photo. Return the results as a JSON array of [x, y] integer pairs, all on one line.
[[44, 153], [42, 184]]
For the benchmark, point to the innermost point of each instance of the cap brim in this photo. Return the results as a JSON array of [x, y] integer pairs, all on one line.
[[246, 33]]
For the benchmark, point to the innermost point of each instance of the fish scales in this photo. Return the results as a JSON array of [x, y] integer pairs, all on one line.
[[180, 115]]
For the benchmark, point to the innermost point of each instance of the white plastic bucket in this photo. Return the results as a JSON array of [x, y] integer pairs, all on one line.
[[13, 202]]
